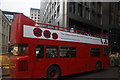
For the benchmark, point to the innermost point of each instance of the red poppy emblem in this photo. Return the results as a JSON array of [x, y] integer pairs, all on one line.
[[54, 35], [47, 33], [37, 32]]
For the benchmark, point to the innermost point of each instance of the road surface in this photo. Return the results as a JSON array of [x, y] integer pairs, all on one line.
[[112, 73]]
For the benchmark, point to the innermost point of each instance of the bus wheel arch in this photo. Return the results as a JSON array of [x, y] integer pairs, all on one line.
[[53, 71], [98, 65]]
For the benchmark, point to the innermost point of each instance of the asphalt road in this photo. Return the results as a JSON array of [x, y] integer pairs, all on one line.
[[112, 73]]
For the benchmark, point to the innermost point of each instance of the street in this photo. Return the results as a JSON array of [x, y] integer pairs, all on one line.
[[112, 73]]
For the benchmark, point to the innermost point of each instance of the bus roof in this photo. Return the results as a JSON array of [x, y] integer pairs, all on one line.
[[22, 25]]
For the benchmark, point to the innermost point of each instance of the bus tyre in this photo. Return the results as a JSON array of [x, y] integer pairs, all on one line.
[[53, 72], [98, 66]]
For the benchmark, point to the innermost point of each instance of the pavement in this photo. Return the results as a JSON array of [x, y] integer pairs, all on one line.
[[112, 73]]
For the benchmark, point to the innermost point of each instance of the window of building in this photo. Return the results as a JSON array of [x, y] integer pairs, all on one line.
[[95, 52], [55, 15], [39, 51], [3, 39], [66, 51], [52, 17], [50, 3], [51, 51], [99, 19], [58, 2], [72, 7], [86, 4], [53, 7], [93, 16], [49, 21], [47, 18], [80, 10], [93, 5], [55, 3], [87, 13], [58, 23], [99, 7], [58, 11]]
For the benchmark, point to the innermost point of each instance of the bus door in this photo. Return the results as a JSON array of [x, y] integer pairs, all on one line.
[[39, 60]]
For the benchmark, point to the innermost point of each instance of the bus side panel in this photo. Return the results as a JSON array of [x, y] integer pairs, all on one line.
[[106, 62], [105, 59]]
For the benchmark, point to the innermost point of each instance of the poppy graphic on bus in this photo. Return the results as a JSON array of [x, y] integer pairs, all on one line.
[[47, 34], [54, 35], [37, 32]]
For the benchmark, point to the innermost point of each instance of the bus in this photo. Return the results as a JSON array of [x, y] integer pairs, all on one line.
[[49, 51]]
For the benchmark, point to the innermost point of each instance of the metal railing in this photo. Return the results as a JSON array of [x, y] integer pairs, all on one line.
[[71, 30]]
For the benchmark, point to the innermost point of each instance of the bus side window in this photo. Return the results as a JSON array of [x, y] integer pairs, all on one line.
[[51, 51], [66, 51], [39, 51]]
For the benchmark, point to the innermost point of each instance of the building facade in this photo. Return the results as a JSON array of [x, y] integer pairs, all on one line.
[[114, 27], [4, 33], [35, 14], [92, 17], [10, 15], [85, 16]]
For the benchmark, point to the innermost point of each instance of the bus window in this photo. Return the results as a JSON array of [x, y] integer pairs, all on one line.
[[51, 51], [66, 51], [39, 51], [106, 51], [95, 52], [19, 50]]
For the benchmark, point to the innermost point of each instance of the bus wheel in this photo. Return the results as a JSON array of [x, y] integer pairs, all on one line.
[[53, 72], [98, 66]]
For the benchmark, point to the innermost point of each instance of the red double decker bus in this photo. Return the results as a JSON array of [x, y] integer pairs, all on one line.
[[48, 51]]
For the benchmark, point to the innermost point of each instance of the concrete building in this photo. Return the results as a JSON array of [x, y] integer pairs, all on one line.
[[86, 16], [93, 17], [114, 27], [4, 33], [10, 15], [35, 14]]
